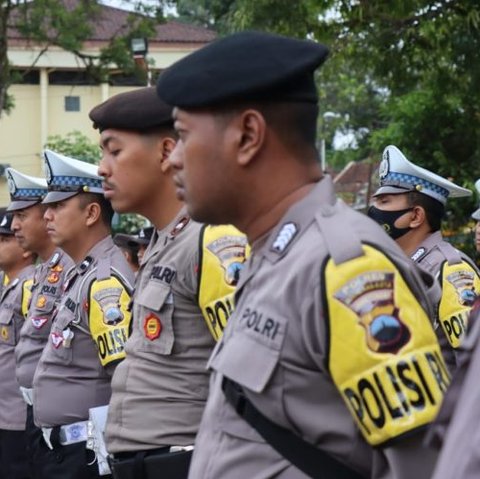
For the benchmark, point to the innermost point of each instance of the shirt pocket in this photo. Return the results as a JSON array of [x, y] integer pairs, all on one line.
[[153, 316], [60, 342], [8, 334]]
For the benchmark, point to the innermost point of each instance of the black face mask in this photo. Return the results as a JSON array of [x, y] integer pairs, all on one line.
[[386, 219]]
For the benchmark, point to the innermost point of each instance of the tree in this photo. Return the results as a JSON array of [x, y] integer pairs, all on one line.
[[67, 24], [402, 72], [78, 146]]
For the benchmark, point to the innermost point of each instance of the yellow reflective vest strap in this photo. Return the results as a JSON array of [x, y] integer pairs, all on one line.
[[384, 357], [460, 287], [26, 295], [223, 250], [108, 317]]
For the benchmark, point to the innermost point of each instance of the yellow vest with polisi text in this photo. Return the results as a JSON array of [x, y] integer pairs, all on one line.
[[460, 287], [223, 250], [384, 357]]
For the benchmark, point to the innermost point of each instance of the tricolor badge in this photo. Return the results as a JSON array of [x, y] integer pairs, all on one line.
[[152, 326]]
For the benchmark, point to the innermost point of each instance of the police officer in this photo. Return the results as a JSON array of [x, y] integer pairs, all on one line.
[[183, 295], [129, 244], [17, 264], [26, 194], [327, 307], [90, 326], [410, 204]]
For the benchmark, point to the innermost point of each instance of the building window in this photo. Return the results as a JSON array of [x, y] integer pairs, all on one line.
[[72, 103]]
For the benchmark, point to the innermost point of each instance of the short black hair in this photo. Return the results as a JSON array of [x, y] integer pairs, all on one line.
[[295, 123], [434, 210], [105, 206]]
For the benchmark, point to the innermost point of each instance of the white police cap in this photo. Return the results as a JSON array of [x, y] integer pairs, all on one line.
[[67, 177], [25, 190], [398, 175], [476, 213]]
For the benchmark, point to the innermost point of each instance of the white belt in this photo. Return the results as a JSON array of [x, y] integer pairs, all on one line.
[[69, 434], [27, 394]]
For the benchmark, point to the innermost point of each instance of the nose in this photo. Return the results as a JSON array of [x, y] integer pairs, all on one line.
[[15, 226], [103, 168], [47, 216]]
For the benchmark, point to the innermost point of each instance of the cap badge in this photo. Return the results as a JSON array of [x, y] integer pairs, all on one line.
[[12, 187], [384, 167]]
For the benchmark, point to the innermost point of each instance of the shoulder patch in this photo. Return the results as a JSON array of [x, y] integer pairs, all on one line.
[[460, 288], [284, 237], [384, 357], [109, 318]]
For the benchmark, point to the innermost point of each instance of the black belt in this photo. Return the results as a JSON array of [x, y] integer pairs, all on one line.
[[303, 455], [151, 464]]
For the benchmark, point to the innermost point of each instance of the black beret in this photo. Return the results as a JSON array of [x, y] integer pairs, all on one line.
[[246, 66], [139, 110]]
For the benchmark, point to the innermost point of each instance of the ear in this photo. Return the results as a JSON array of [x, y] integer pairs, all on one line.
[[167, 145], [418, 217], [251, 131], [93, 212]]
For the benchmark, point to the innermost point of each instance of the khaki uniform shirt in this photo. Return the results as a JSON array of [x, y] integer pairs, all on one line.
[[308, 305], [457, 428], [159, 391], [460, 284], [13, 309], [47, 289], [87, 338]]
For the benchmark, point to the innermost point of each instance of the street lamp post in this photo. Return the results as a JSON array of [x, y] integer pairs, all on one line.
[[139, 48]]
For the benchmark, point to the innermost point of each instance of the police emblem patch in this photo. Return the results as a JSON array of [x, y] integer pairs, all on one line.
[[38, 322], [152, 326], [57, 339], [5, 333], [41, 302], [463, 282], [53, 277], [109, 301], [370, 296], [231, 253]]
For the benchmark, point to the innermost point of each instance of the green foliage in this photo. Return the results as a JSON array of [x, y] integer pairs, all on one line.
[[76, 145], [128, 223], [403, 72]]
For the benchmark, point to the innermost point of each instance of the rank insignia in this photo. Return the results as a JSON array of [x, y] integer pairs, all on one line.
[[57, 339], [370, 297], [152, 327], [53, 277], [38, 322], [57, 269], [180, 226], [5, 333], [41, 302]]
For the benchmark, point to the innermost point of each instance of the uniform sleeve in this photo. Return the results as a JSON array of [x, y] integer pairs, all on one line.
[[109, 318], [222, 253]]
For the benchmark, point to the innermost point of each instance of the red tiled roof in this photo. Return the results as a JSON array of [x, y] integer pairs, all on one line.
[[111, 22]]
